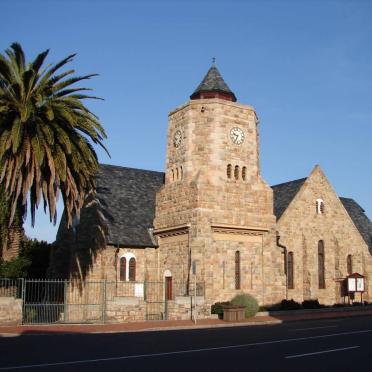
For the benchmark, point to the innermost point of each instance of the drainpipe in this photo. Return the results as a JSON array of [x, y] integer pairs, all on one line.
[[285, 262]]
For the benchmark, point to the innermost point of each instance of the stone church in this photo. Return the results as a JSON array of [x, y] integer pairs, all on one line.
[[211, 217]]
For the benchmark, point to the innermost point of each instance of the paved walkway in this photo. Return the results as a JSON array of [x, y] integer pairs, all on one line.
[[171, 324]]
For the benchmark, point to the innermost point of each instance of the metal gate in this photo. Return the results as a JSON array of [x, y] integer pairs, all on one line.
[[156, 301], [63, 301]]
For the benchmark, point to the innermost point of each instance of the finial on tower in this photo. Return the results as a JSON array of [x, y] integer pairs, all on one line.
[[214, 61]]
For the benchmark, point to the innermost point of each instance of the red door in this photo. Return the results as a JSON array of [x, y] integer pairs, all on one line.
[[168, 287]]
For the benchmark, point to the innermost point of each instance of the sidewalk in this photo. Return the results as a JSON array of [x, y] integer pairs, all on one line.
[[170, 324]]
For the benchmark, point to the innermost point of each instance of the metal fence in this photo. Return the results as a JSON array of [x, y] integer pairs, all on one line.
[[11, 287], [72, 301]]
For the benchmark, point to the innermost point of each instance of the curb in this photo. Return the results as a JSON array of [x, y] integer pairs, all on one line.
[[316, 311], [191, 327], [153, 329]]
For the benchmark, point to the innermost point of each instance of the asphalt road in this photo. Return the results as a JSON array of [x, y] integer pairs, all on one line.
[[324, 345]]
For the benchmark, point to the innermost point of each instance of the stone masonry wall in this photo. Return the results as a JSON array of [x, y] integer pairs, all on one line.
[[301, 228], [10, 311], [203, 198]]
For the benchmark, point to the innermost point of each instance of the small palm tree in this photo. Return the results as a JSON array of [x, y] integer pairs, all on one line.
[[45, 135]]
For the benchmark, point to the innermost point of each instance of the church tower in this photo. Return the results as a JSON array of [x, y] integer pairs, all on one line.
[[214, 209]]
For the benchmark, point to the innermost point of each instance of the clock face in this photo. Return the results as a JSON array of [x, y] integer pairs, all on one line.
[[237, 136], [177, 138]]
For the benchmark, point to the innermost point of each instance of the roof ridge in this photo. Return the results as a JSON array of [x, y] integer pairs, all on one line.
[[285, 183], [122, 167]]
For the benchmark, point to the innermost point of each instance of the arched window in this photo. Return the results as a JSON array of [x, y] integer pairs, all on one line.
[[237, 270], [244, 173], [319, 206], [181, 172], [177, 175], [290, 273], [349, 261], [228, 171], [236, 172], [321, 264], [123, 269], [132, 269], [127, 267], [172, 175]]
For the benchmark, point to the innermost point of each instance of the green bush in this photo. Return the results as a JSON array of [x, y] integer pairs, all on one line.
[[15, 268], [217, 308], [340, 305], [290, 305], [357, 304], [311, 304], [38, 253], [247, 301]]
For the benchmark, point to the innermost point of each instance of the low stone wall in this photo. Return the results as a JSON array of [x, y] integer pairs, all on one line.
[[10, 310], [183, 308], [127, 309], [124, 309]]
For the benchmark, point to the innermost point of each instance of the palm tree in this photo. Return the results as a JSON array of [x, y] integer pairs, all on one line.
[[45, 136], [11, 237]]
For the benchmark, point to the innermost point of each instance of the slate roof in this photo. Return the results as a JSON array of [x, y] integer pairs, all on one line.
[[284, 194], [213, 82], [127, 198], [361, 221]]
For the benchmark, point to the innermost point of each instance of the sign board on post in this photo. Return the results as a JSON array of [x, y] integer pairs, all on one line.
[[355, 284], [360, 285], [351, 285]]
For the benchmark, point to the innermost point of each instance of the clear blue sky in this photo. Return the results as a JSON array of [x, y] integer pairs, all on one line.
[[306, 66]]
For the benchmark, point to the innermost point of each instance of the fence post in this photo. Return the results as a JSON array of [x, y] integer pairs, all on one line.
[[65, 301], [23, 296], [104, 301]]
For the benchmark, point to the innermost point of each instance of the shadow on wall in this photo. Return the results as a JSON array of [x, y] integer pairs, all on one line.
[[76, 248]]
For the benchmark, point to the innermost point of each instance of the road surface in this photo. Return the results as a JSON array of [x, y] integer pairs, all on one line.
[[322, 345]]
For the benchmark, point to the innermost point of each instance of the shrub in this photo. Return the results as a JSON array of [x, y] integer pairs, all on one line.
[[247, 301], [357, 304], [15, 268], [217, 308], [311, 304], [272, 307], [38, 253], [340, 305], [290, 305]]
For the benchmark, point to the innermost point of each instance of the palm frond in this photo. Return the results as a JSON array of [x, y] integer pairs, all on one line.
[[46, 135]]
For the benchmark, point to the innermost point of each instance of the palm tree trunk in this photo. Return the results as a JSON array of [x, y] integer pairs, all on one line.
[[12, 246]]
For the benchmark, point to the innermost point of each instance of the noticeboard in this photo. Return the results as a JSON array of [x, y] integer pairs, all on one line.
[[351, 284], [355, 283], [360, 284]]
